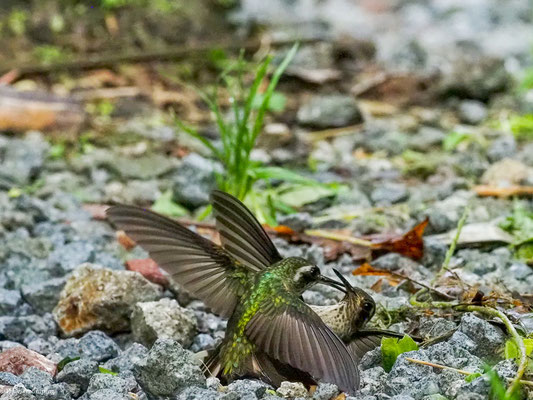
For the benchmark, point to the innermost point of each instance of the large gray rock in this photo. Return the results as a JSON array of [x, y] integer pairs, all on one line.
[[329, 111], [94, 345], [128, 358], [119, 384], [107, 297], [163, 319], [168, 369], [78, 372], [488, 338]]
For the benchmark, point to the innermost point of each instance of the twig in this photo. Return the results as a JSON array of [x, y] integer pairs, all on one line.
[[459, 371], [453, 245], [166, 54], [339, 237]]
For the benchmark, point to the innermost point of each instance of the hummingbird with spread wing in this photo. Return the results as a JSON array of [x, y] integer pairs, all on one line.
[[271, 333]]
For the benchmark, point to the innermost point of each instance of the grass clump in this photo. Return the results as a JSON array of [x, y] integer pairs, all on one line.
[[239, 130]]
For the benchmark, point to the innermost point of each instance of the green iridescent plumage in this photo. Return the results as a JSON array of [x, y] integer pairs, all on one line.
[[272, 334]]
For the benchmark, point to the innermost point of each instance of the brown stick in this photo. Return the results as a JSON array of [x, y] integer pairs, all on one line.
[[167, 54]]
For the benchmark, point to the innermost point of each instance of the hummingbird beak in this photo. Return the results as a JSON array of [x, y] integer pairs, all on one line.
[[348, 288], [330, 282]]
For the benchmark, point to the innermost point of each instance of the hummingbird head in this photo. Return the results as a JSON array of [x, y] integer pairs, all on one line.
[[360, 301], [303, 275]]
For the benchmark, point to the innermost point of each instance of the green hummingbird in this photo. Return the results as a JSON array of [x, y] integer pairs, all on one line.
[[271, 333], [348, 317]]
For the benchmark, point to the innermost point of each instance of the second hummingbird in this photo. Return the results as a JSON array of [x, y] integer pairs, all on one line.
[[271, 332]]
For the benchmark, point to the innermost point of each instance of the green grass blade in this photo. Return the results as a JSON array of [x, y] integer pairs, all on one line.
[[268, 93]]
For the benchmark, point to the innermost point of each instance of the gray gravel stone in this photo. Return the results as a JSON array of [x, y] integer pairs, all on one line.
[[42, 386], [168, 369], [94, 345], [488, 338], [472, 112], [203, 341], [413, 380], [78, 372], [119, 384], [43, 296], [128, 358], [19, 392], [7, 378], [292, 389], [17, 329], [503, 147], [195, 180], [297, 221], [389, 193], [329, 111], [435, 327], [249, 389], [65, 259], [163, 319], [195, 393], [106, 394], [325, 391], [10, 300]]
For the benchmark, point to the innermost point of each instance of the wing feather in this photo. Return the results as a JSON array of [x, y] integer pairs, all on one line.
[[201, 266]]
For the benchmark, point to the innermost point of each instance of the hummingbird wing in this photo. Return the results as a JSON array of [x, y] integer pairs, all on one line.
[[288, 330], [241, 234], [201, 266]]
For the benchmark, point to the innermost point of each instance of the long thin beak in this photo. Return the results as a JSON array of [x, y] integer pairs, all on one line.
[[330, 282]]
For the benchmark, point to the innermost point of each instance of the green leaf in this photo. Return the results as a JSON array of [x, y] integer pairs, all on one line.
[[511, 350], [391, 348], [165, 205], [106, 371], [61, 364], [453, 139], [522, 126], [277, 102], [300, 195], [57, 151], [472, 377]]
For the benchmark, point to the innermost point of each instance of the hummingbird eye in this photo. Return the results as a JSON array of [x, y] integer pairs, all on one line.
[[306, 273]]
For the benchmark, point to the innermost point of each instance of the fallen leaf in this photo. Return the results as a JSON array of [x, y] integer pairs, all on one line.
[[507, 191], [409, 244]]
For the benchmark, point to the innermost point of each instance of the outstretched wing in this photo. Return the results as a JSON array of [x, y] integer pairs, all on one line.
[[241, 234], [201, 266], [288, 330]]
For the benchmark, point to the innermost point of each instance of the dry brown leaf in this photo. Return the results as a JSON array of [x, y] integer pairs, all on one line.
[[409, 244]]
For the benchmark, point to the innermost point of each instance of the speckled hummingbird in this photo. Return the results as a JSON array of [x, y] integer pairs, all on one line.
[[271, 334], [348, 317]]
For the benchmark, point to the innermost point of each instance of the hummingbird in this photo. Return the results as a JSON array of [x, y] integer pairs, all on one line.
[[348, 317], [272, 334]]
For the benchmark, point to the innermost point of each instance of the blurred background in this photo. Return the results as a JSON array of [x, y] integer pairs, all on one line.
[[398, 102]]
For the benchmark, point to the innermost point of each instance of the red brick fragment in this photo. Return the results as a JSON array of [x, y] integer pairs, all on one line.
[[17, 359], [149, 269]]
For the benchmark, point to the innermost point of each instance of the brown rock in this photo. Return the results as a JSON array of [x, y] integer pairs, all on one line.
[[101, 298], [17, 359]]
